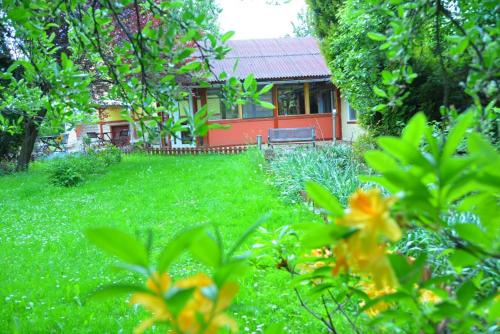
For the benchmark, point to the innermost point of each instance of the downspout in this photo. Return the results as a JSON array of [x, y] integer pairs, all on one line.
[[334, 119]]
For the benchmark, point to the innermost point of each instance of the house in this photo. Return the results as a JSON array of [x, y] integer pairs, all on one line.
[[303, 96]]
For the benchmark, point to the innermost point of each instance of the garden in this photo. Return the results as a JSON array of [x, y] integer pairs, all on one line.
[[50, 268], [395, 232]]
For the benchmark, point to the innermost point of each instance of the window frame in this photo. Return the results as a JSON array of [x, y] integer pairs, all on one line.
[[349, 119], [278, 86]]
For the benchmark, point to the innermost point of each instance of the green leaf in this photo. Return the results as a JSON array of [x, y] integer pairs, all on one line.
[[177, 298], [415, 129], [466, 293], [457, 133], [320, 235], [460, 258], [380, 161], [324, 198], [190, 67], [227, 36], [266, 89], [376, 36], [120, 244], [379, 92], [478, 145], [249, 82], [460, 47], [247, 233], [177, 246], [266, 105], [19, 14], [471, 233], [207, 250]]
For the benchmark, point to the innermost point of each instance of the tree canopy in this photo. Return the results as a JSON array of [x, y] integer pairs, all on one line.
[[392, 59], [69, 55]]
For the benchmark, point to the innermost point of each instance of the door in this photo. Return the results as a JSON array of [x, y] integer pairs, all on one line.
[[120, 135]]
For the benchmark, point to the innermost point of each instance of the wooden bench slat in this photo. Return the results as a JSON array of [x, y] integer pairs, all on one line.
[[291, 135]]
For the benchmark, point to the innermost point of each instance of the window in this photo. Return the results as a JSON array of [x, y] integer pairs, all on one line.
[[320, 98], [291, 99], [252, 110], [351, 113], [217, 108]]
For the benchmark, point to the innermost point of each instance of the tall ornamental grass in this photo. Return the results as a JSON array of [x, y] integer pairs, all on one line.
[[333, 166]]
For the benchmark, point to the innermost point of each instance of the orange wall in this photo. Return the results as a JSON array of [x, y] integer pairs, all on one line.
[[242, 132], [245, 131], [322, 123]]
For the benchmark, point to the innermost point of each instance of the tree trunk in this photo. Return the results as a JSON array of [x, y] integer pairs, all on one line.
[[30, 134]]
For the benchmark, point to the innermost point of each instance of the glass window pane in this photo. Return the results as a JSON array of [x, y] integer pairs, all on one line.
[[217, 108], [320, 97], [251, 110], [351, 113], [291, 99], [213, 104]]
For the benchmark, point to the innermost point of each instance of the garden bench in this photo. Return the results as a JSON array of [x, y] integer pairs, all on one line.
[[291, 136]]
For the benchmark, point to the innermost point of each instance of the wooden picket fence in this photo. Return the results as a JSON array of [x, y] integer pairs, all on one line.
[[196, 150]]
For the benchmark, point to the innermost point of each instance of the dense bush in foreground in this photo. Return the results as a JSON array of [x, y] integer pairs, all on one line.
[[72, 170]]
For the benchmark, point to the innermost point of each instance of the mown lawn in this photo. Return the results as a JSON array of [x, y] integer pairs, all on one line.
[[47, 267]]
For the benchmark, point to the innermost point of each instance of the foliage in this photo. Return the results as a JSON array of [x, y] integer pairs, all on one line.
[[137, 52], [362, 144], [109, 155], [42, 229], [366, 42], [464, 40], [72, 170], [7, 167], [438, 198], [303, 27], [333, 166], [192, 305]]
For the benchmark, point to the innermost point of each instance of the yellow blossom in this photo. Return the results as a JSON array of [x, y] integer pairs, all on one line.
[[199, 306], [428, 296], [363, 252], [373, 292], [369, 212]]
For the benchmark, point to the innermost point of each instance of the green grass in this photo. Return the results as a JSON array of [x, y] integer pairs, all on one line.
[[48, 267]]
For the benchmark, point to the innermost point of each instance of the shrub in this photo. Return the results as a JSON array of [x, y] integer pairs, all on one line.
[[110, 155], [333, 166], [363, 143], [7, 167], [72, 170]]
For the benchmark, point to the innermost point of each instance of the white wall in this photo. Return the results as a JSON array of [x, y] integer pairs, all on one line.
[[350, 131]]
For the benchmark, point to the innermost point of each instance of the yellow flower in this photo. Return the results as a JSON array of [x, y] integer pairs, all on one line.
[[200, 304], [428, 296], [364, 252], [373, 292], [198, 307], [369, 212]]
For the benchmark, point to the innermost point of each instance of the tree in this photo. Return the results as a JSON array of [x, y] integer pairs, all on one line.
[[358, 61], [141, 51], [304, 24]]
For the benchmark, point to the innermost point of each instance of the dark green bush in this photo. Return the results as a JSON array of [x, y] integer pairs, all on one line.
[[72, 170], [7, 167]]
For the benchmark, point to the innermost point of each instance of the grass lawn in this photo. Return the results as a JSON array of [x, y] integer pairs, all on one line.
[[48, 267]]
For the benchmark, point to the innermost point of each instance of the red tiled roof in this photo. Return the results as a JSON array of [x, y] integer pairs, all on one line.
[[279, 58]]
